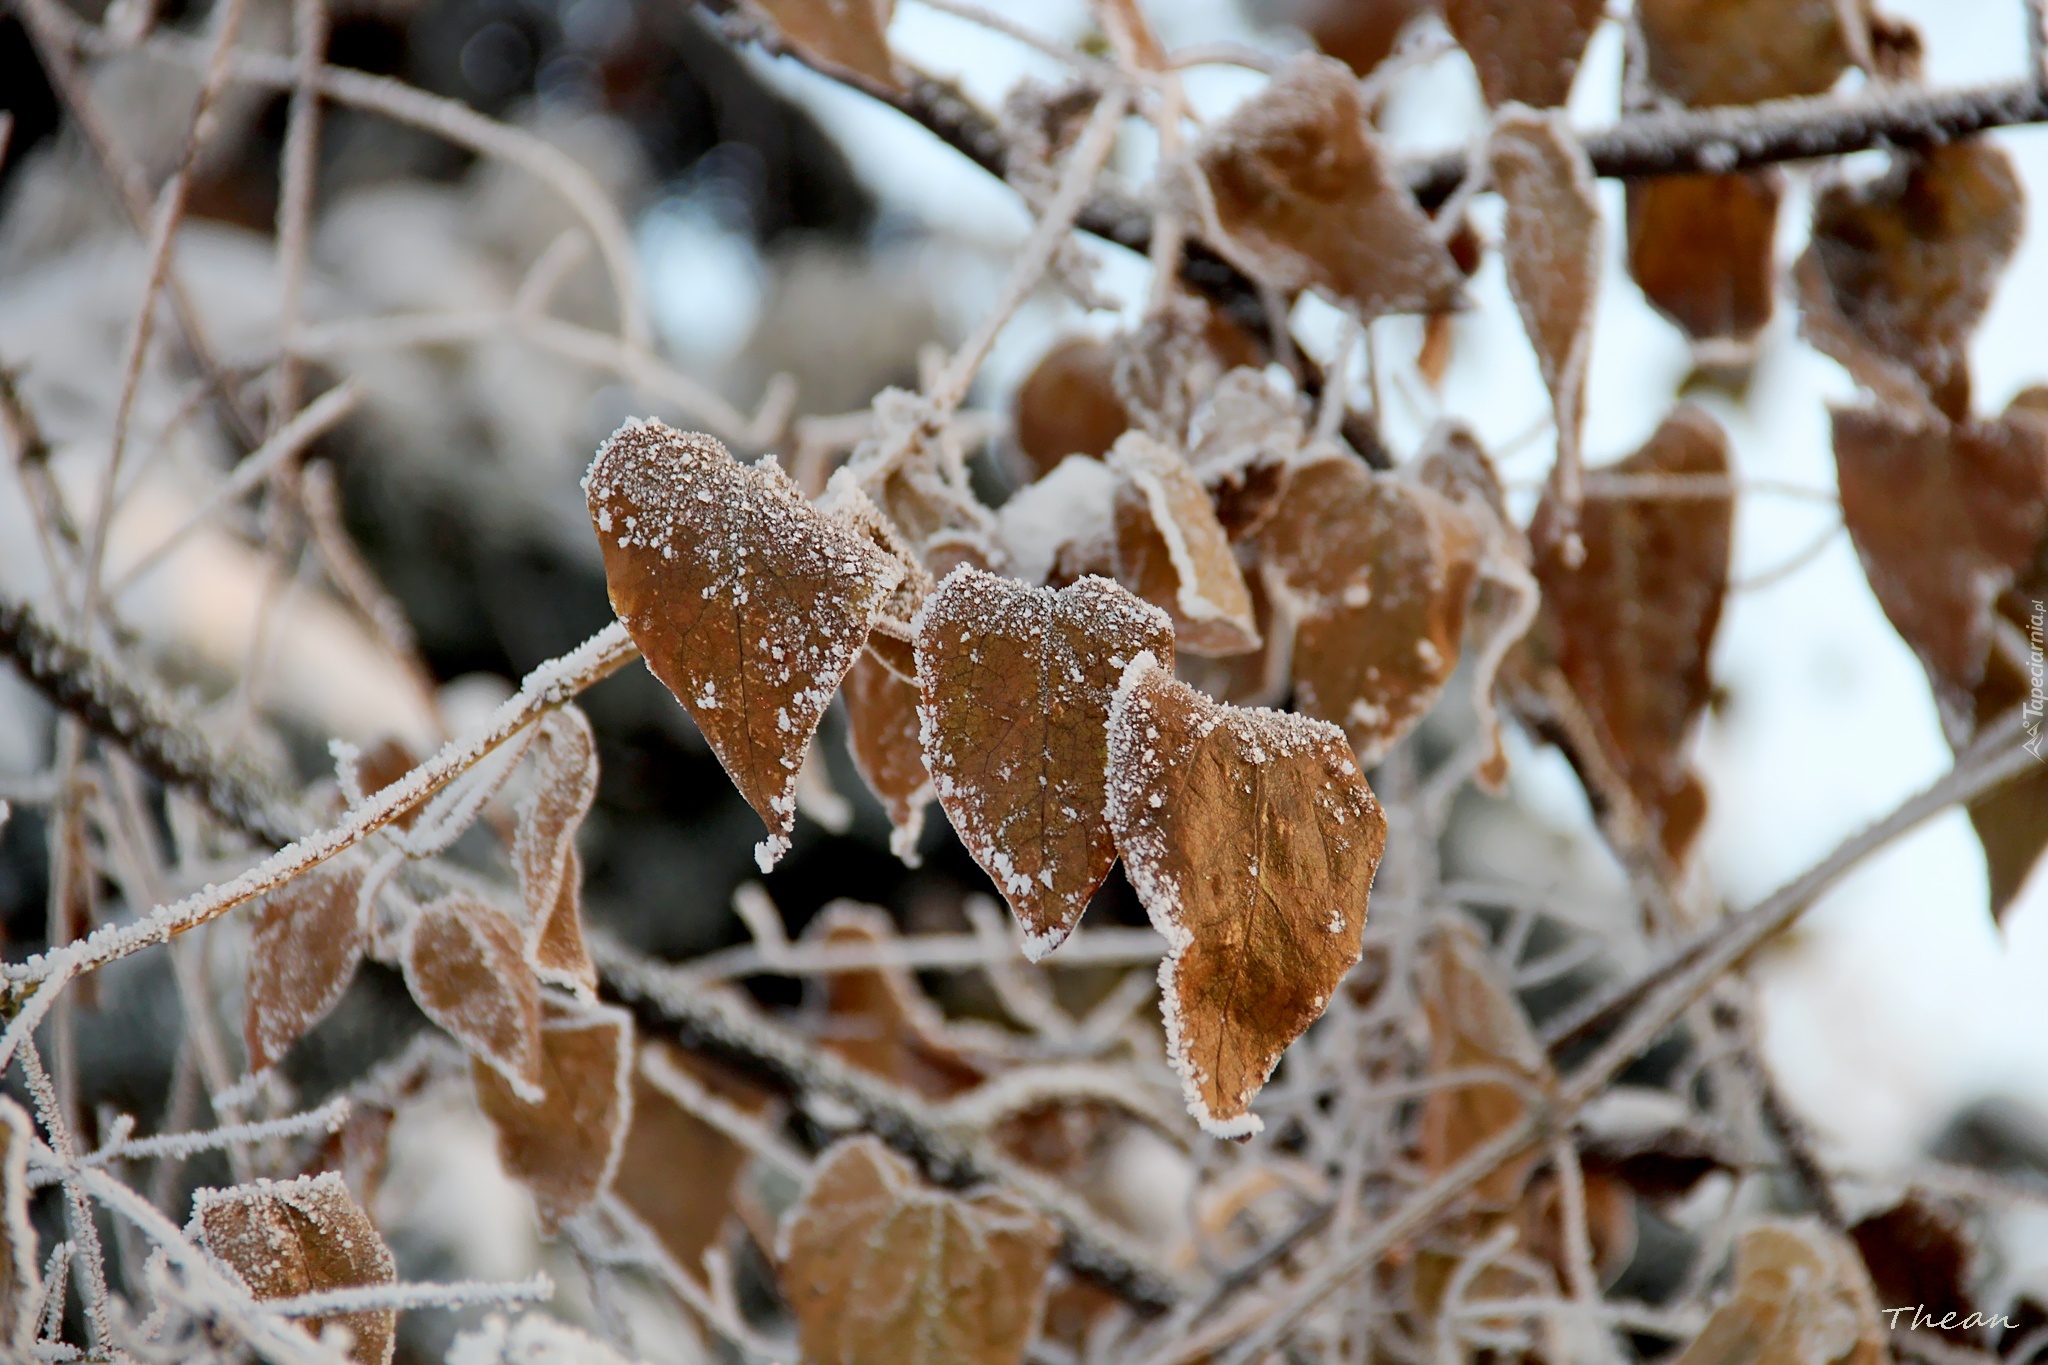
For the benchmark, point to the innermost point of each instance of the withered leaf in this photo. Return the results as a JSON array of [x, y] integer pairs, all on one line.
[[881, 733], [382, 764], [1068, 405], [1525, 51], [466, 967], [1361, 33], [1920, 1251], [544, 849], [1015, 690], [20, 1256], [1699, 246], [878, 1019], [1631, 626], [309, 939], [677, 1171], [1801, 1298], [749, 604], [883, 1269], [1704, 52], [1308, 199], [1552, 243], [1475, 1022], [305, 1236], [1943, 516], [566, 1147], [1251, 838], [1377, 572], [1172, 551], [1901, 269], [851, 34]]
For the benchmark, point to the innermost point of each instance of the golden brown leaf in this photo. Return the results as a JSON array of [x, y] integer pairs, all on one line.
[[1525, 51], [1377, 572], [20, 1257], [1171, 550], [309, 939], [1016, 685], [881, 733], [883, 1269], [1801, 1298], [1475, 1022], [749, 604], [1068, 405], [544, 850], [850, 34], [1901, 270], [1631, 626], [1251, 838], [677, 1171], [1700, 248], [466, 966], [878, 1019], [1308, 199], [306, 1236], [1704, 52], [566, 1147]]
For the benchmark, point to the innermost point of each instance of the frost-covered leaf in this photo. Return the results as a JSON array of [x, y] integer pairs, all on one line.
[[20, 1256], [1016, 684], [307, 1236], [851, 34], [1061, 527], [1525, 51], [382, 764], [1377, 572], [1068, 404], [881, 733], [1308, 199], [565, 1147], [1171, 550], [466, 966], [677, 1172], [1901, 269], [878, 1019], [748, 603], [1252, 839], [883, 1269], [1630, 627], [544, 849], [309, 939], [1923, 1251], [1475, 1023], [1944, 516], [1801, 1298], [1551, 239], [1703, 52], [1699, 246]]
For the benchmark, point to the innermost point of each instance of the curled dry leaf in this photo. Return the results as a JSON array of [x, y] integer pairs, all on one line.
[[566, 1147], [307, 1236], [1525, 51], [309, 939], [1307, 198], [1700, 246], [1801, 1298], [748, 603], [677, 1171], [1552, 243], [1252, 839], [878, 1019], [1629, 629], [850, 34], [1377, 573], [1068, 405], [1171, 550], [883, 1269], [892, 640], [466, 967], [881, 733], [20, 1256], [1901, 269], [1015, 691], [544, 850], [1704, 52]]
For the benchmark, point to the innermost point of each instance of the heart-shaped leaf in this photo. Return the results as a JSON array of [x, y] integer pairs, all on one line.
[[309, 940], [1700, 246], [1525, 51]]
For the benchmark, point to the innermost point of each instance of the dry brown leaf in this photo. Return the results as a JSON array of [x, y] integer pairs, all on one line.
[[883, 1269], [1801, 1298], [1308, 199], [544, 850], [466, 966], [555, 948], [1921, 1251], [1901, 269], [566, 1147], [1551, 240], [878, 1019], [749, 604], [309, 939], [850, 34], [1704, 52], [1700, 247], [1068, 405], [1944, 516], [677, 1171], [1475, 1022], [1172, 551], [1251, 838], [1377, 573], [20, 1256], [1525, 51], [1016, 684], [1361, 33], [881, 733], [307, 1236], [1631, 626], [382, 764]]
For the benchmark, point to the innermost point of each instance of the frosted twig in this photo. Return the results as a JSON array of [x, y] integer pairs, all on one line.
[[298, 167], [327, 1118], [403, 1297], [1779, 572], [1580, 1276], [84, 1231], [922, 952], [640, 1248]]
